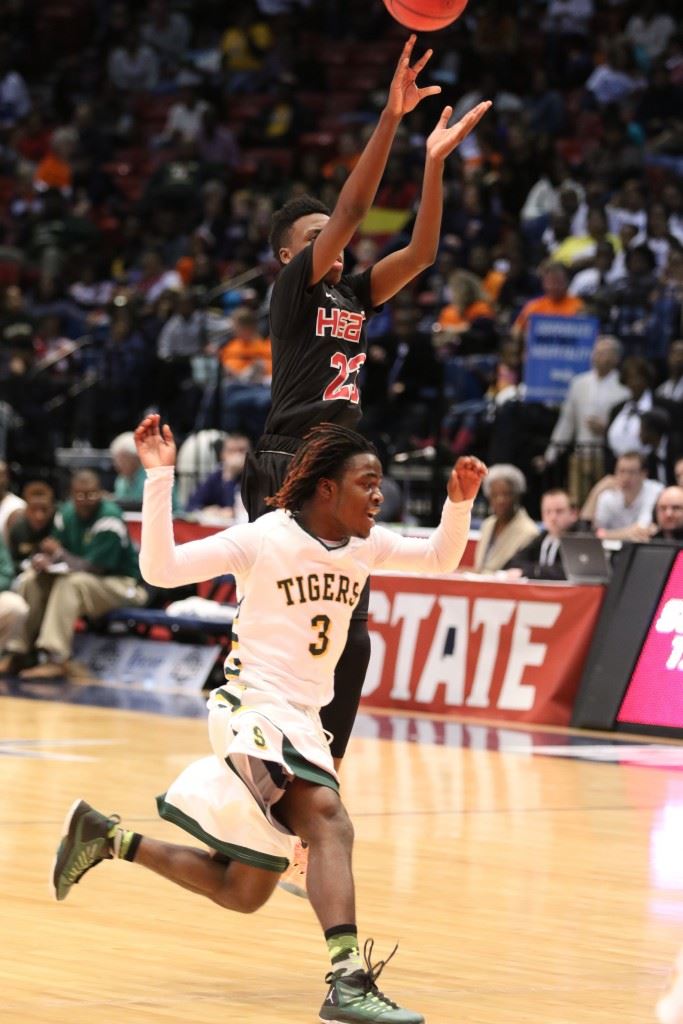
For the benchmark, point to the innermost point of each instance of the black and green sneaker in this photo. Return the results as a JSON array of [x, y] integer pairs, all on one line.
[[87, 840], [355, 999]]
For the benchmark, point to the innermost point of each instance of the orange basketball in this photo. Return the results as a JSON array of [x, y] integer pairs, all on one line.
[[425, 15]]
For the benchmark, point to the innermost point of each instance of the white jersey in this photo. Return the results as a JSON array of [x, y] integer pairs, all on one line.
[[297, 594]]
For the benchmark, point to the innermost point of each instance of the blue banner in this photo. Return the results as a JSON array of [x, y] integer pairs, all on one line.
[[558, 347]]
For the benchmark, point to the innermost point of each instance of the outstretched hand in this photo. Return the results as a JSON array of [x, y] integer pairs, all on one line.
[[444, 140], [465, 479], [404, 93], [155, 443]]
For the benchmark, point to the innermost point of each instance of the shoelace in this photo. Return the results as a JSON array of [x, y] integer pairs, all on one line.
[[373, 972], [367, 979]]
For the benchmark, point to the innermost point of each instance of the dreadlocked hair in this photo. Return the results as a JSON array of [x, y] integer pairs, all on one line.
[[283, 219], [324, 453]]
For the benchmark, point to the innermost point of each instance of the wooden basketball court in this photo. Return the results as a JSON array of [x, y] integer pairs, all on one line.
[[524, 888]]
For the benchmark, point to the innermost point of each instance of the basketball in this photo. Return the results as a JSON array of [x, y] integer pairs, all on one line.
[[425, 15]]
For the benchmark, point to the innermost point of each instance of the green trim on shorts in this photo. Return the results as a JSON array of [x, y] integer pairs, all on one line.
[[253, 858], [303, 769], [231, 699]]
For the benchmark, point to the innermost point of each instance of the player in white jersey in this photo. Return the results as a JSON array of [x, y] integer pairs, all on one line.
[[300, 570]]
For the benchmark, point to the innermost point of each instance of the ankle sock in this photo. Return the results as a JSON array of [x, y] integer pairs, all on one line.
[[124, 843], [342, 946]]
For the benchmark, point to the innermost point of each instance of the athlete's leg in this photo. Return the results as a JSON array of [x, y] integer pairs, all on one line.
[[91, 837], [317, 814], [235, 886]]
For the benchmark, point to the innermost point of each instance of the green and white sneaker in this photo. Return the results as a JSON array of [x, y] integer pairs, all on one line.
[[355, 999], [87, 840]]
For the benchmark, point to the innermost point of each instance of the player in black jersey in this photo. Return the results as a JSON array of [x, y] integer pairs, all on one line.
[[317, 325]]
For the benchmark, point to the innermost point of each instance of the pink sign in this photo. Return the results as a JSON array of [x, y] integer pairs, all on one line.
[[655, 692]]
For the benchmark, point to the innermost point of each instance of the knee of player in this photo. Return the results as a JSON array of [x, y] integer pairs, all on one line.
[[329, 815], [244, 900], [244, 889]]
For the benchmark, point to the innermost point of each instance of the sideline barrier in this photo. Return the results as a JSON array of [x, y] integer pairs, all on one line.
[[479, 648]]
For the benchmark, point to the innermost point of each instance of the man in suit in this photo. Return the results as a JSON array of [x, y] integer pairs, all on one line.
[[540, 559]]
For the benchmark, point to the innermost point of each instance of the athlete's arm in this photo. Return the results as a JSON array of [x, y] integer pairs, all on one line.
[[358, 193], [165, 564], [390, 274], [162, 563], [443, 550]]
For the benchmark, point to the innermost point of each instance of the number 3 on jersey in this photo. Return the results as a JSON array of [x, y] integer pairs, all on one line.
[[340, 387], [322, 624]]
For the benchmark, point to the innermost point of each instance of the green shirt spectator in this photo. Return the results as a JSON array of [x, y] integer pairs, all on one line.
[[99, 538], [34, 524], [7, 572]]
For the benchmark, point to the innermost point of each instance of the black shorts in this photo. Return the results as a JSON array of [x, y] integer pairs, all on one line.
[[263, 476], [265, 470]]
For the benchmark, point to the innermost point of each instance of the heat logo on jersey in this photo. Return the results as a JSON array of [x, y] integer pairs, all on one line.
[[339, 323]]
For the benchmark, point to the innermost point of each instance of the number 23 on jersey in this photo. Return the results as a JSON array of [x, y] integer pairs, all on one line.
[[345, 384]]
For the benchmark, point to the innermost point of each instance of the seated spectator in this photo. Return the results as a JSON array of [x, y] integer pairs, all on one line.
[[623, 427], [583, 417], [184, 121], [33, 524], [183, 336], [630, 300], [55, 170], [669, 515], [216, 143], [600, 274], [578, 251], [13, 608], [509, 527], [15, 99], [154, 278], [554, 302], [540, 559], [650, 29], [655, 439], [656, 236], [467, 314], [672, 388], [627, 206], [219, 493], [10, 504], [87, 567], [134, 66], [245, 389], [167, 32], [616, 79], [129, 482], [624, 511], [17, 326]]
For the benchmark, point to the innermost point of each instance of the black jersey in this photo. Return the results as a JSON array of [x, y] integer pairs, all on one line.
[[318, 340]]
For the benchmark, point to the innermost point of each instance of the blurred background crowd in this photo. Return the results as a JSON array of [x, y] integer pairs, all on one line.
[[143, 150]]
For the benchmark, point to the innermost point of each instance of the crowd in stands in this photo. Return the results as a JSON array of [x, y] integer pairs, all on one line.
[[143, 151]]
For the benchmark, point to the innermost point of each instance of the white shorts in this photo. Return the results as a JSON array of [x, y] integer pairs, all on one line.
[[260, 743]]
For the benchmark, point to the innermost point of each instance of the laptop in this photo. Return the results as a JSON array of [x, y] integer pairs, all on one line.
[[584, 559]]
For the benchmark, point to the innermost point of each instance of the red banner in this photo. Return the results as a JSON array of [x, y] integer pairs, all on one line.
[[478, 648]]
